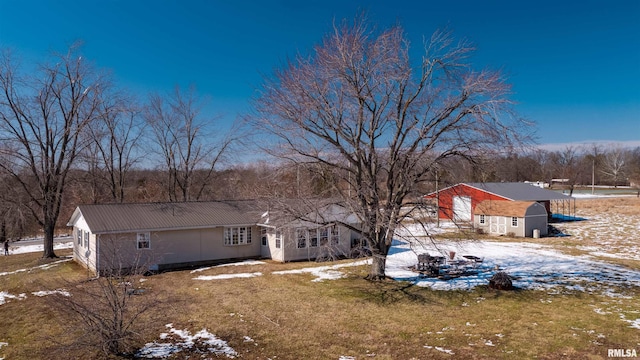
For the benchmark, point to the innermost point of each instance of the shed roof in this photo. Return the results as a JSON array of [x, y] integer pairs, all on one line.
[[519, 191], [113, 218], [503, 208]]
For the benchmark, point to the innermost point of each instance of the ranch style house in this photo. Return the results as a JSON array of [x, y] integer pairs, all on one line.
[[162, 236]]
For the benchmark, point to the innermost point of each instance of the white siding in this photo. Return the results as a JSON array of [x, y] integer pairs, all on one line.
[[81, 254]]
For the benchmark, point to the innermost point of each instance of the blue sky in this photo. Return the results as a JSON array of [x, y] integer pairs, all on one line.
[[574, 66]]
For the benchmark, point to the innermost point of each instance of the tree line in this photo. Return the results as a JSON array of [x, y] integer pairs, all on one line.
[[69, 135]]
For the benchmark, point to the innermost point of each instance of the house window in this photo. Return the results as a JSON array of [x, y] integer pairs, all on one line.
[[263, 236], [143, 241], [482, 220], [313, 237], [244, 235], [301, 236], [335, 234], [234, 236], [237, 235], [324, 236], [86, 239], [514, 221], [278, 239], [358, 243], [79, 236]]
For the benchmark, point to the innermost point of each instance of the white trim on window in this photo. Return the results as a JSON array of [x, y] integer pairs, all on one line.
[[263, 236], [143, 241], [323, 236], [482, 220], [301, 238], [335, 234], [239, 235], [514, 221], [278, 239]]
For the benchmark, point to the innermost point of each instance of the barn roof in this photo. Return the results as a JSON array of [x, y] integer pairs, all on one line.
[[111, 218], [519, 191], [503, 208]]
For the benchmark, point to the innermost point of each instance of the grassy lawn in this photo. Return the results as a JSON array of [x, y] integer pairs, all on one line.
[[275, 316]]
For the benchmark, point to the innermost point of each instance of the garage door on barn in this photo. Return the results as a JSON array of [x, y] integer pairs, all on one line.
[[462, 208]]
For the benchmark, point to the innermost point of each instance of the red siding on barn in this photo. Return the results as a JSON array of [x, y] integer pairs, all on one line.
[[445, 201]]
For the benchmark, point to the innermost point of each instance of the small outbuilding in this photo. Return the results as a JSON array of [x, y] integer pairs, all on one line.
[[457, 202], [520, 218]]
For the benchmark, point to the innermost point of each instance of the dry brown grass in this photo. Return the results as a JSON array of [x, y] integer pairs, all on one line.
[[611, 231], [623, 205], [291, 317]]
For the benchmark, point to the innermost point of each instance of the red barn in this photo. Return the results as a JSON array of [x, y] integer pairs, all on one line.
[[457, 202]]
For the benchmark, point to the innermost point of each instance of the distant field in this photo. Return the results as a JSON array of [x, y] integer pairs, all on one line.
[[268, 310], [603, 190]]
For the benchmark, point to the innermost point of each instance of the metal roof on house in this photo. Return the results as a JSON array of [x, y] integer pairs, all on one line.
[[114, 218], [519, 191], [504, 208]]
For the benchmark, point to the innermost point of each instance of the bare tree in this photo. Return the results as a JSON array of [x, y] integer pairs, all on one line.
[[113, 146], [567, 166], [41, 119], [107, 309], [14, 210], [357, 107], [633, 159], [180, 137], [614, 164]]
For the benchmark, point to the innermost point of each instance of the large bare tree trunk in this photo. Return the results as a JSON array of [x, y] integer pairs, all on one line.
[[378, 265], [49, 233]]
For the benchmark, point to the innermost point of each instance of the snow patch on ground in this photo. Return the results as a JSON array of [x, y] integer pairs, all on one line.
[[180, 340], [51, 292], [329, 272], [441, 349], [16, 248], [241, 263], [4, 296], [41, 267], [634, 323], [532, 266], [227, 276], [324, 272]]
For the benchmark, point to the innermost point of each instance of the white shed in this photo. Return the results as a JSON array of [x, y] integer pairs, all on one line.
[[519, 218]]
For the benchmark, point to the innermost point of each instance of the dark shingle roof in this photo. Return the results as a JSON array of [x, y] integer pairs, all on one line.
[[106, 218], [519, 191]]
